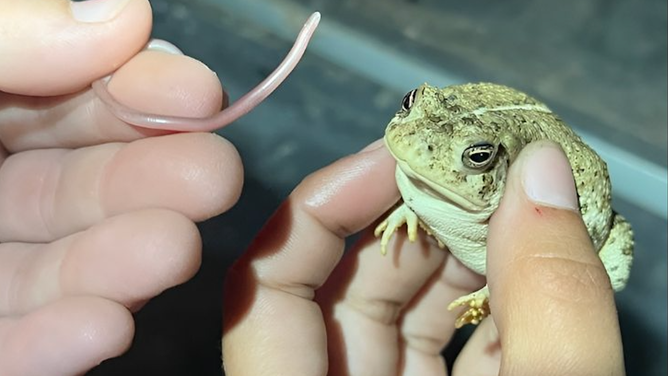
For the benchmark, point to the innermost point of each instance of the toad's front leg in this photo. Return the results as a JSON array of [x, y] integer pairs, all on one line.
[[402, 214], [478, 307]]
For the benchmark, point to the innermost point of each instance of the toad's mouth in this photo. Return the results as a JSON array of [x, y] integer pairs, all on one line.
[[437, 191]]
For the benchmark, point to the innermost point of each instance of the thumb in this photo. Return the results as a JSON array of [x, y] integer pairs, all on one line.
[[551, 298], [51, 47]]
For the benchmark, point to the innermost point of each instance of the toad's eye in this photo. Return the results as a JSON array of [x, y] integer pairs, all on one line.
[[478, 156], [408, 100]]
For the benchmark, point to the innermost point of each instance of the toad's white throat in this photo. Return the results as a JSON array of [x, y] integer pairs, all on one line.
[[409, 176]]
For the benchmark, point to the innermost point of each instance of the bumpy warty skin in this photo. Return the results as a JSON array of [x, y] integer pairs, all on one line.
[[454, 201]]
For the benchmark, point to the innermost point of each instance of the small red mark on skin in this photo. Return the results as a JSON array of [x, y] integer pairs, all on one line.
[[537, 209]]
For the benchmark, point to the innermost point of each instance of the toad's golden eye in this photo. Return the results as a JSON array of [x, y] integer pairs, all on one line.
[[478, 156], [408, 100]]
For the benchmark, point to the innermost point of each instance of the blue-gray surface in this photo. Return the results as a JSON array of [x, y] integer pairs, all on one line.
[[327, 109]]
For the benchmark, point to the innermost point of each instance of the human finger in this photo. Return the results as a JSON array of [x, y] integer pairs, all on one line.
[[363, 299], [55, 47], [158, 80], [48, 194], [129, 259], [387, 315], [272, 326], [481, 355], [427, 325], [551, 297], [65, 338]]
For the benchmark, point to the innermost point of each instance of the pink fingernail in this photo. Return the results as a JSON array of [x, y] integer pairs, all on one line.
[[547, 176], [91, 11], [162, 46]]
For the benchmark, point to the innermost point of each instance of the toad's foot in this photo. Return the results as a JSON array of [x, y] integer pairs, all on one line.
[[478, 303], [399, 216]]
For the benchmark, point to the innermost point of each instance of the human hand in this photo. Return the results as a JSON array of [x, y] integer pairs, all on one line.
[[96, 216], [296, 305]]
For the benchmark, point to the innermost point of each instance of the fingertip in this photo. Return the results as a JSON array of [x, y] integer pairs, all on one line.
[[155, 81], [172, 249], [225, 184], [51, 52], [539, 204], [547, 177], [197, 174], [363, 180], [176, 253], [536, 221], [67, 337], [540, 175], [482, 353], [132, 257]]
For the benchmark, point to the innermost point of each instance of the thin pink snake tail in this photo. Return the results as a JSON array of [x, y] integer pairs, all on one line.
[[239, 108]]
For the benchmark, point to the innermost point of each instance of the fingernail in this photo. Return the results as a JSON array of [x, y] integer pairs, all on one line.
[[97, 10], [547, 177], [373, 146], [162, 46]]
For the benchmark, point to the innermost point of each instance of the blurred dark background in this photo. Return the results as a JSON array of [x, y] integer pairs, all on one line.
[[601, 64]]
